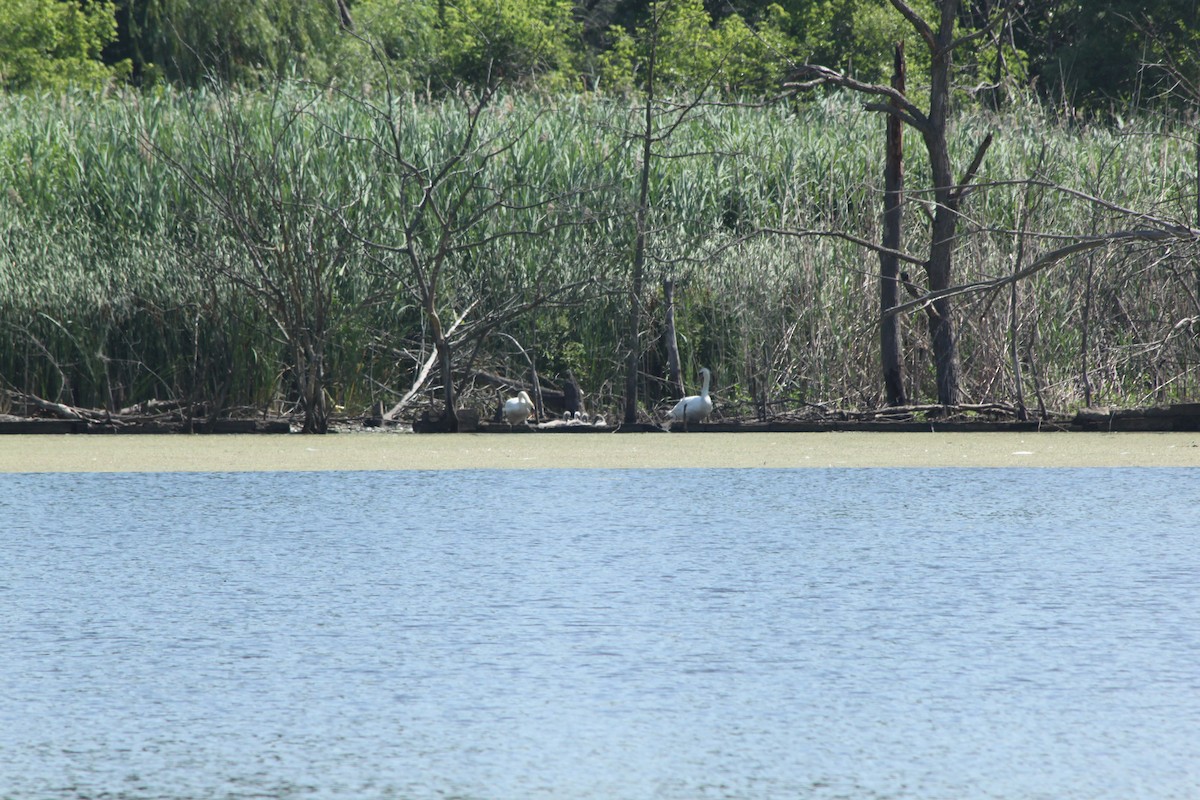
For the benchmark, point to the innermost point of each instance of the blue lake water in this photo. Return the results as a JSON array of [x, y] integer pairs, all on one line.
[[601, 635]]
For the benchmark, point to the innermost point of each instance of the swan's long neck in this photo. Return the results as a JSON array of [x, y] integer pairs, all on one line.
[[704, 388]]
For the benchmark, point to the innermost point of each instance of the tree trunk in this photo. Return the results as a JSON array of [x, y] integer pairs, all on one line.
[[1085, 330], [633, 359], [938, 270], [310, 375], [450, 416], [639, 250], [889, 263], [945, 218], [674, 371]]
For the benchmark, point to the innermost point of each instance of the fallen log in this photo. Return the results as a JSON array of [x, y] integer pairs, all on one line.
[[58, 410]]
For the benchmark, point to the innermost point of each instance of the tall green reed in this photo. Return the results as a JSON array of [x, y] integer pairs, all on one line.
[[108, 295]]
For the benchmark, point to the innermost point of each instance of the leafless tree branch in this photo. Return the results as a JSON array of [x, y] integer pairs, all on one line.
[[1047, 260]]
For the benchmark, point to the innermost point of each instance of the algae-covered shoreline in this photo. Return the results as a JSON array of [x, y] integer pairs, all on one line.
[[405, 451]]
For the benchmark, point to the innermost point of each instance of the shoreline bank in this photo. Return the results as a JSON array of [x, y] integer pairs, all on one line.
[[389, 451]]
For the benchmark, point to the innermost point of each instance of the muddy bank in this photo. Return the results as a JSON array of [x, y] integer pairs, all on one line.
[[406, 451]]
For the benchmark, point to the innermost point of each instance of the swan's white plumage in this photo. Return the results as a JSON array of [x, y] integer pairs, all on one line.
[[694, 407], [518, 409]]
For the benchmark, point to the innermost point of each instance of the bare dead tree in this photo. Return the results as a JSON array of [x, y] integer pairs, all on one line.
[[947, 191], [274, 241], [1136, 227], [641, 217], [1184, 85], [659, 119], [889, 264], [432, 229], [444, 207]]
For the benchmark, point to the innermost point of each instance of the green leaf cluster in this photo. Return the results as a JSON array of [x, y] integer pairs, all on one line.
[[485, 40], [1094, 56], [857, 36], [424, 41], [191, 41], [51, 44], [690, 49]]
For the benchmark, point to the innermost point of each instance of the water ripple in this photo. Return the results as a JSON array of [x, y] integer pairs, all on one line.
[[752, 634]]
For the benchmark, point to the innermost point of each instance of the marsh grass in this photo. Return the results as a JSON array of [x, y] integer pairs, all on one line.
[[109, 296]]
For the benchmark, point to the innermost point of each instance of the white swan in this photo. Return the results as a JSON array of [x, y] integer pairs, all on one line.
[[598, 421], [694, 407], [518, 409]]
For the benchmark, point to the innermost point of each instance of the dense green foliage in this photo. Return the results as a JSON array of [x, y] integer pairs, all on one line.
[[1093, 55], [48, 44], [120, 283], [295, 207], [1085, 54]]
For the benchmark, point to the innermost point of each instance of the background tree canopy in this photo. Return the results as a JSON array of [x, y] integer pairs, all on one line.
[[49, 44], [1089, 56]]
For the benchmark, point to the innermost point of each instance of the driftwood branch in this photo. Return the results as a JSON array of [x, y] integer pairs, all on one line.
[[56, 409], [996, 408], [423, 375]]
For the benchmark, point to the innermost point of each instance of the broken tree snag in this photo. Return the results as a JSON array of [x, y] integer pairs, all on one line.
[[889, 263]]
